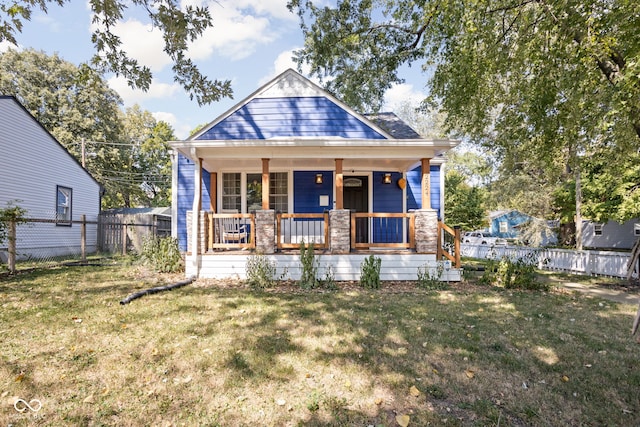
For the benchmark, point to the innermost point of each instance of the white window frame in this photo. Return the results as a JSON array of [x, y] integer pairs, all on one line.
[[66, 205], [243, 189], [636, 229], [503, 226], [598, 229]]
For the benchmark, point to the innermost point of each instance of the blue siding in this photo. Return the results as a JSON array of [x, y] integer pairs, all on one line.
[[414, 188], [512, 218], [264, 118], [306, 193], [185, 195], [387, 198]]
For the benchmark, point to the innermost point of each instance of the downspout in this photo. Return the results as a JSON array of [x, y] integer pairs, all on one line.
[[174, 194], [195, 213]]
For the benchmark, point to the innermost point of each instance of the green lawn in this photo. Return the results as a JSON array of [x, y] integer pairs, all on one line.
[[222, 354]]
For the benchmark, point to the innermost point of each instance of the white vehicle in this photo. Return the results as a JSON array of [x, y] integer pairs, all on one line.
[[482, 238]]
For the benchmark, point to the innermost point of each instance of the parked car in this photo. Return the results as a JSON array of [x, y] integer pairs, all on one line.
[[482, 238]]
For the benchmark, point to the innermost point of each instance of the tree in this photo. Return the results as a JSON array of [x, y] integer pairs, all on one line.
[[142, 176], [179, 25], [463, 204], [556, 81]]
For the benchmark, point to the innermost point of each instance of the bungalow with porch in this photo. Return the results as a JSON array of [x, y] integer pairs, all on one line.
[[292, 164]]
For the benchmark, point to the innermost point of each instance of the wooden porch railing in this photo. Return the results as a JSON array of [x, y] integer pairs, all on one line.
[[293, 229], [231, 231], [382, 230], [451, 241]]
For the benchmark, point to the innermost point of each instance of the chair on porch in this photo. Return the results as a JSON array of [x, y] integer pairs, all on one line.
[[233, 231]]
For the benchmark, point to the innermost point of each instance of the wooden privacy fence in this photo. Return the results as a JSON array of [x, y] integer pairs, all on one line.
[[118, 233], [596, 263]]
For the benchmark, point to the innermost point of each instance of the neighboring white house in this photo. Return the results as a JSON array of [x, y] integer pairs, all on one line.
[[38, 174]]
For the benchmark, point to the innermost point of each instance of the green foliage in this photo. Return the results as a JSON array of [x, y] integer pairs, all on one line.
[[261, 272], [370, 272], [430, 279], [309, 263], [12, 213], [162, 254], [464, 205], [179, 26], [518, 273]]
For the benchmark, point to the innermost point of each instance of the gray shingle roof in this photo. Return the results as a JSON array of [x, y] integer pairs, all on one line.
[[393, 125]]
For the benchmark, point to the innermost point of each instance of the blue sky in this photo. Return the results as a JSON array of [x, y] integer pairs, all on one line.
[[251, 42]]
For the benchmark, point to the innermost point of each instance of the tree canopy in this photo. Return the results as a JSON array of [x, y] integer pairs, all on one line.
[[554, 81], [179, 26], [125, 151]]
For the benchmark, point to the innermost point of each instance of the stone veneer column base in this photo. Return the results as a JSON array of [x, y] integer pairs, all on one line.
[[340, 227], [426, 231], [265, 231], [202, 231]]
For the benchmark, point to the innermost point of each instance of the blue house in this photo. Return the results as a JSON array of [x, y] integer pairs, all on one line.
[[292, 164], [513, 224]]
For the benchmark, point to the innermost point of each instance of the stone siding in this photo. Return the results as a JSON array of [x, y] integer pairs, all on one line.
[[426, 227], [340, 231]]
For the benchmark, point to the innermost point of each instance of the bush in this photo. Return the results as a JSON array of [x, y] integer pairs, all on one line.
[[12, 213], [261, 272], [162, 254], [519, 273], [370, 272], [429, 280], [309, 274]]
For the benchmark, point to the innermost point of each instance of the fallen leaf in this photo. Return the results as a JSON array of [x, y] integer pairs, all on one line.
[[414, 391], [89, 399], [435, 371], [565, 378], [470, 373], [281, 402], [20, 377], [403, 420], [378, 401]]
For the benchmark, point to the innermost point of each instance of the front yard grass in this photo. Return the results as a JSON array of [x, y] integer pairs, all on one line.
[[216, 353]]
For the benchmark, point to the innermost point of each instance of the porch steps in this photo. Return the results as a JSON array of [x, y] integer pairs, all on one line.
[[394, 266]]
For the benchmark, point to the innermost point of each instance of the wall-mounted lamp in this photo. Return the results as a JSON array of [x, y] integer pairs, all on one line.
[[318, 178], [386, 178]]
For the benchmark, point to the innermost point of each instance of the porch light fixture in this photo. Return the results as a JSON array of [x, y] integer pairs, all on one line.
[[318, 178], [386, 178]]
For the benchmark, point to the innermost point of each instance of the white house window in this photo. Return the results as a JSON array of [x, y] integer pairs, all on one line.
[[636, 229], [597, 229], [503, 227], [245, 195], [63, 205]]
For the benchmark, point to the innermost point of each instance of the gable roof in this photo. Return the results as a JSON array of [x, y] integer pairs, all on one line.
[[394, 125], [12, 99], [290, 106]]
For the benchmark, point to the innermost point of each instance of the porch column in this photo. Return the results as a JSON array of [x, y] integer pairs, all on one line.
[[195, 214], [426, 229], [213, 185], [339, 185], [265, 184], [340, 235], [265, 231], [426, 187]]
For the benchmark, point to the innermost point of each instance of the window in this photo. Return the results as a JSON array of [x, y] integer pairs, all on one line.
[[503, 226], [231, 194], [636, 229], [63, 205], [597, 229], [238, 192]]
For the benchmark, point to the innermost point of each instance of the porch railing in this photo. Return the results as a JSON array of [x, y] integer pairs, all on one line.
[[449, 244], [293, 229], [382, 230], [231, 231]]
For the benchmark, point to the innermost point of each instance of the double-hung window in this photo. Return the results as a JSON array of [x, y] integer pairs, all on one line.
[[63, 205], [242, 192]]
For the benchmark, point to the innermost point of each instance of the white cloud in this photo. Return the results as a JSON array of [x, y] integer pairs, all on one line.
[[401, 94], [5, 46], [46, 20], [274, 8], [144, 43], [283, 62], [181, 129], [157, 90]]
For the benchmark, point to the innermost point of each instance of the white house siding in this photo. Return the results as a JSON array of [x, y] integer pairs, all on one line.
[[32, 164]]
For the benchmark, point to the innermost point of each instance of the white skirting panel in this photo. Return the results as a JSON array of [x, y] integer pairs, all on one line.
[[344, 267]]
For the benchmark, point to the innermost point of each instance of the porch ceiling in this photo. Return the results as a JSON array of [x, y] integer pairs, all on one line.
[[392, 155]]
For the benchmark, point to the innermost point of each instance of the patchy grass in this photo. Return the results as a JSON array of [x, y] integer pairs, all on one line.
[[218, 354]]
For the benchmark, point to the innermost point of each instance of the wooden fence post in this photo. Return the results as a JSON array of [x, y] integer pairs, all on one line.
[[12, 247], [124, 238], [83, 237]]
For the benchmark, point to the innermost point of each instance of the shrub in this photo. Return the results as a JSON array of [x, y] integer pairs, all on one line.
[[370, 272], [12, 213], [309, 274], [519, 273], [427, 279], [261, 272], [162, 254]]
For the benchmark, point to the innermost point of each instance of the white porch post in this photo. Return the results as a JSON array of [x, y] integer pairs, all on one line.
[[195, 213]]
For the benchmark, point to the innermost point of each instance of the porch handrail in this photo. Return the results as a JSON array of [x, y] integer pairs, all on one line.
[[215, 231], [409, 244], [281, 244], [442, 251]]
